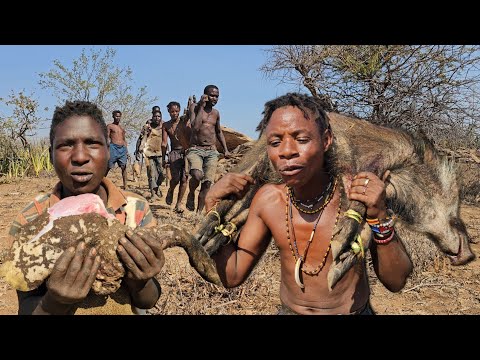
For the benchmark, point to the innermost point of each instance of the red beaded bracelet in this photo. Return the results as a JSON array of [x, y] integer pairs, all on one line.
[[384, 241]]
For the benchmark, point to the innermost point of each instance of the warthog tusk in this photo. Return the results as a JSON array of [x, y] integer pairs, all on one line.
[[297, 273]]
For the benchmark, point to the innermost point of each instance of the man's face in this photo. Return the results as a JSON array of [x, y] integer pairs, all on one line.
[[80, 155], [213, 95], [174, 112], [156, 118], [117, 117], [295, 146]]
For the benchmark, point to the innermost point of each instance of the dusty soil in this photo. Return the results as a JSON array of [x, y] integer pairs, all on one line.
[[440, 289]]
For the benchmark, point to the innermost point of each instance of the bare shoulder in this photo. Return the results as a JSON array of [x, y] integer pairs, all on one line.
[[269, 194]]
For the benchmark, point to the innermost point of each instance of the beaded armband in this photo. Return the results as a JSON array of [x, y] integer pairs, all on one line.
[[383, 229]]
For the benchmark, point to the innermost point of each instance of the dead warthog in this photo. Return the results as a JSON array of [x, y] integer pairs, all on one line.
[[422, 190]]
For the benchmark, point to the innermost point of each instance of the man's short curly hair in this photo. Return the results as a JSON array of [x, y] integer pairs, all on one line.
[[76, 108], [173, 103]]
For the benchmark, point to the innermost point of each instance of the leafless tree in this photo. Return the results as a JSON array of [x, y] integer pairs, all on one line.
[[23, 120], [429, 88], [94, 77]]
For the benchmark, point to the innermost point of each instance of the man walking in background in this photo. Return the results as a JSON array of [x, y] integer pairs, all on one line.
[[118, 146], [202, 156], [176, 160], [151, 136]]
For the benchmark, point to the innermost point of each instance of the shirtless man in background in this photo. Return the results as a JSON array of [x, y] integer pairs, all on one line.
[[202, 155], [118, 146], [176, 156]]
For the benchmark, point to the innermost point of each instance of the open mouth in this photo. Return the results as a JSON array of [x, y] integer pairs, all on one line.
[[81, 177], [290, 170]]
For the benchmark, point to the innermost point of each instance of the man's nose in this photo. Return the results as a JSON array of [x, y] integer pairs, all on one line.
[[288, 149], [80, 154]]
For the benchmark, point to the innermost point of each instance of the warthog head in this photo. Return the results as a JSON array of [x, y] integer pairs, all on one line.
[[427, 198]]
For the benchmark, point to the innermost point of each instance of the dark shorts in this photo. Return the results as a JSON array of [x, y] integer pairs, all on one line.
[[118, 154], [176, 158], [366, 310], [204, 160]]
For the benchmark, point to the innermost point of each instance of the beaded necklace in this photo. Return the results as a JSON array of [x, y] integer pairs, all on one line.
[[295, 253], [311, 203]]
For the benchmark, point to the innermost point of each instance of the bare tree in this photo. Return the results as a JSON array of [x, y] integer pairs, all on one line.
[[95, 77], [23, 120], [429, 88]]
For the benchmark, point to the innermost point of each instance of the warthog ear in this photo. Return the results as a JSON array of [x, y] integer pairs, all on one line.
[[390, 190]]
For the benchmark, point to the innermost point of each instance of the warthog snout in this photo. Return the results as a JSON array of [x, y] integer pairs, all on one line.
[[464, 254]]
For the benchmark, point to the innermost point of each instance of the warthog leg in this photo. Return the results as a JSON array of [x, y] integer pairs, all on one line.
[[348, 258], [225, 235], [173, 235]]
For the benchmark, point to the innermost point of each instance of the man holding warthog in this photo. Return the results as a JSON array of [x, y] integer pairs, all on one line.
[[301, 214]]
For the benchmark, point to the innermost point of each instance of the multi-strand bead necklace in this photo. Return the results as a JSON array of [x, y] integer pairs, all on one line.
[[299, 260]]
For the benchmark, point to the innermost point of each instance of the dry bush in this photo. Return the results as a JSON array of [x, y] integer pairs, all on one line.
[[468, 175]]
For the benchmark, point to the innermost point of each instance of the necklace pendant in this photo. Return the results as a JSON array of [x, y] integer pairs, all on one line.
[[298, 264]]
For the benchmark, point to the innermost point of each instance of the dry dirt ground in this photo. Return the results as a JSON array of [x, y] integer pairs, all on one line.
[[440, 289]]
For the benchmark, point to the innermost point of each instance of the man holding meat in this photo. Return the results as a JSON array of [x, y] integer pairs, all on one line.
[[80, 155]]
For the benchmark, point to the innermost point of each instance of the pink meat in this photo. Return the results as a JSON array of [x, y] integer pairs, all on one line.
[[74, 205], [77, 205]]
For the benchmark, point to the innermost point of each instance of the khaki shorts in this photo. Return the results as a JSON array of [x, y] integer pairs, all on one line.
[[176, 158], [204, 160]]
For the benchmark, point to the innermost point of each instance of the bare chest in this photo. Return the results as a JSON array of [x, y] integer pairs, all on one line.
[[305, 236], [117, 129], [208, 119], [172, 131]]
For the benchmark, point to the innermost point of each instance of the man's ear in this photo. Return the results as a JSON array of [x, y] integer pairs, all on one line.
[[327, 139]]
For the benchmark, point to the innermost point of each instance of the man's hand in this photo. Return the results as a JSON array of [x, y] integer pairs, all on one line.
[[230, 184], [203, 100], [143, 257], [226, 154], [72, 277], [369, 189]]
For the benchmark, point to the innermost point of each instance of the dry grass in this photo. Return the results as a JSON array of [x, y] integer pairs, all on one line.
[[186, 293]]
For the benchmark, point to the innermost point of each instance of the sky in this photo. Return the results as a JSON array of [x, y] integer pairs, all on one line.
[[170, 72]]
